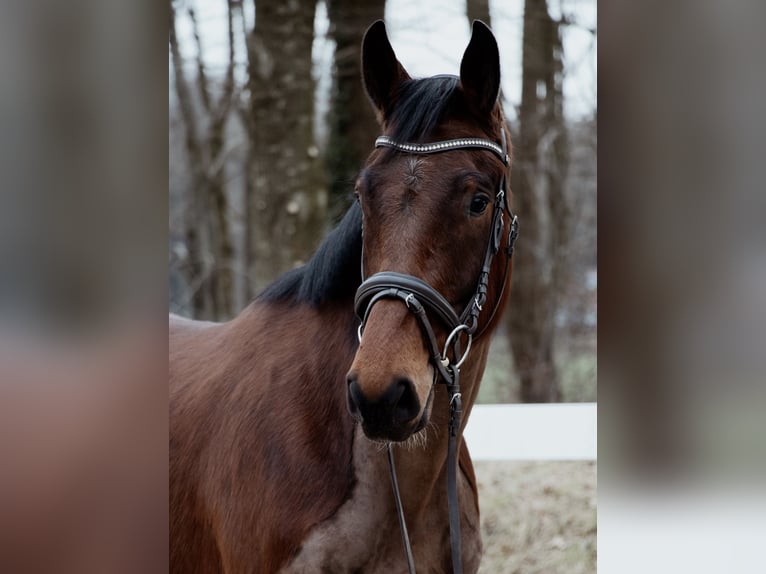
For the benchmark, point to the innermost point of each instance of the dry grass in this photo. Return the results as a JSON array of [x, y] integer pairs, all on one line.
[[538, 517]]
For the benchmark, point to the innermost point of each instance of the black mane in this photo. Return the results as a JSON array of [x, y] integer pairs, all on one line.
[[421, 106], [332, 274]]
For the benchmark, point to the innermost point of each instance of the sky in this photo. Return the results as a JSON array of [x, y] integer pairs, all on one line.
[[429, 37], [427, 45]]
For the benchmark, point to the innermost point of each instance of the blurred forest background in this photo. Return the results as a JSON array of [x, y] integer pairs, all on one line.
[[269, 125]]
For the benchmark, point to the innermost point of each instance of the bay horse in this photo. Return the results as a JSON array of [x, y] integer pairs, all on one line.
[[280, 418]]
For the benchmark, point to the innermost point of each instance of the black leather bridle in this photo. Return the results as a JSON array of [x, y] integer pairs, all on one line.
[[420, 298]]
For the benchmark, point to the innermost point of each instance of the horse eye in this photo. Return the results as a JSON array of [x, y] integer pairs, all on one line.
[[479, 204]]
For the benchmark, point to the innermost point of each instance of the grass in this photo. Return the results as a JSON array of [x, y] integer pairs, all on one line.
[[538, 517]]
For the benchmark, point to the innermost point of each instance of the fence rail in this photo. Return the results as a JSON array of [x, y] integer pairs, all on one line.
[[561, 431]]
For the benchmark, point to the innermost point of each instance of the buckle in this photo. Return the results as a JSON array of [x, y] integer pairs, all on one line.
[[512, 235], [501, 200]]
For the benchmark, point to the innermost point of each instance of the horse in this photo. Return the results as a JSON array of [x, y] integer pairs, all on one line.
[[280, 419]]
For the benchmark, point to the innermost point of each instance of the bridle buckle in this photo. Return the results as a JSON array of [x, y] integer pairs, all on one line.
[[478, 305]]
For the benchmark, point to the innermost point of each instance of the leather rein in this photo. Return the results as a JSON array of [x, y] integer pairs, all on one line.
[[420, 298]]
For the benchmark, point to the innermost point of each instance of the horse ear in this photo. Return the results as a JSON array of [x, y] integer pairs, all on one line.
[[480, 69], [381, 71]]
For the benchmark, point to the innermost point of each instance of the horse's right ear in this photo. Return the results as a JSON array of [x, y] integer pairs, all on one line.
[[480, 69], [381, 71]]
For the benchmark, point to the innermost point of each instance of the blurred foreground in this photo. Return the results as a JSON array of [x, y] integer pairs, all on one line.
[[83, 440]]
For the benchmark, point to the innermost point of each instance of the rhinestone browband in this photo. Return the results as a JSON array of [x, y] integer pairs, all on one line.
[[435, 147]]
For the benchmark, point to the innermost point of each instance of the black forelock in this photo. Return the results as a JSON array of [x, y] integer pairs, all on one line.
[[332, 274], [421, 106]]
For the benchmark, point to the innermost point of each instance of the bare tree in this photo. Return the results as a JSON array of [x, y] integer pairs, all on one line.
[[478, 10], [208, 267], [287, 195], [353, 127], [538, 178]]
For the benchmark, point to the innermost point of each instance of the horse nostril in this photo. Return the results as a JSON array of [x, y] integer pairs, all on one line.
[[354, 395], [407, 406], [398, 405]]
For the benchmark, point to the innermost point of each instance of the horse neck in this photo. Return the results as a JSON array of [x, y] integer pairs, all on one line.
[[421, 463]]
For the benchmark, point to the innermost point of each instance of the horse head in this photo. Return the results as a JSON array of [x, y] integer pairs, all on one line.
[[433, 198]]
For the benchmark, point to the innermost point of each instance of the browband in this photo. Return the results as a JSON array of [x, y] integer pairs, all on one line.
[[436, 147]]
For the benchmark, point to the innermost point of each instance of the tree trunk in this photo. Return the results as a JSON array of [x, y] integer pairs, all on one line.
[[288, 198], [537, 182], [192, 268], [478, 10], [555, 161], [353, 127], [207, 236]]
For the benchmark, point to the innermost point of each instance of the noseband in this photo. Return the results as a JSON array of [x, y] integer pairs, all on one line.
[[420, 298]]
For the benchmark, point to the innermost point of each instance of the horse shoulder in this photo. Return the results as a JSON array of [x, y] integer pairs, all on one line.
[[193, 372], [272, 457]]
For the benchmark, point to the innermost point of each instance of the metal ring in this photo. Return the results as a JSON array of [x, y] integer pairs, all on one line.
[[407, 299], [455, 331], [451, 336], [465, 354], [359, 333]]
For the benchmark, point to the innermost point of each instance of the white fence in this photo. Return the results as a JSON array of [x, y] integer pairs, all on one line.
[[558, 431]]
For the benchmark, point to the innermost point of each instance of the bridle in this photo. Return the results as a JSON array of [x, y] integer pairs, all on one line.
[[420, 298]]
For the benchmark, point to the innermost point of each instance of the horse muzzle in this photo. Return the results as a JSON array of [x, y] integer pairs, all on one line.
[[390, 380], [393, 415]]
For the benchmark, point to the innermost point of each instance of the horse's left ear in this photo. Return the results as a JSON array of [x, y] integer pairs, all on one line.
[[382, 74], [480, 69]]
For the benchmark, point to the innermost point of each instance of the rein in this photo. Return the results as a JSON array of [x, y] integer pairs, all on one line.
[[420, 298]]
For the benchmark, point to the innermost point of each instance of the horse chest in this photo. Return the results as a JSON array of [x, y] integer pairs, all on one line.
[[363, 535]]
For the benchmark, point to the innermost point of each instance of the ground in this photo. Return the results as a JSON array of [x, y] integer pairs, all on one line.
[[538, 517]]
